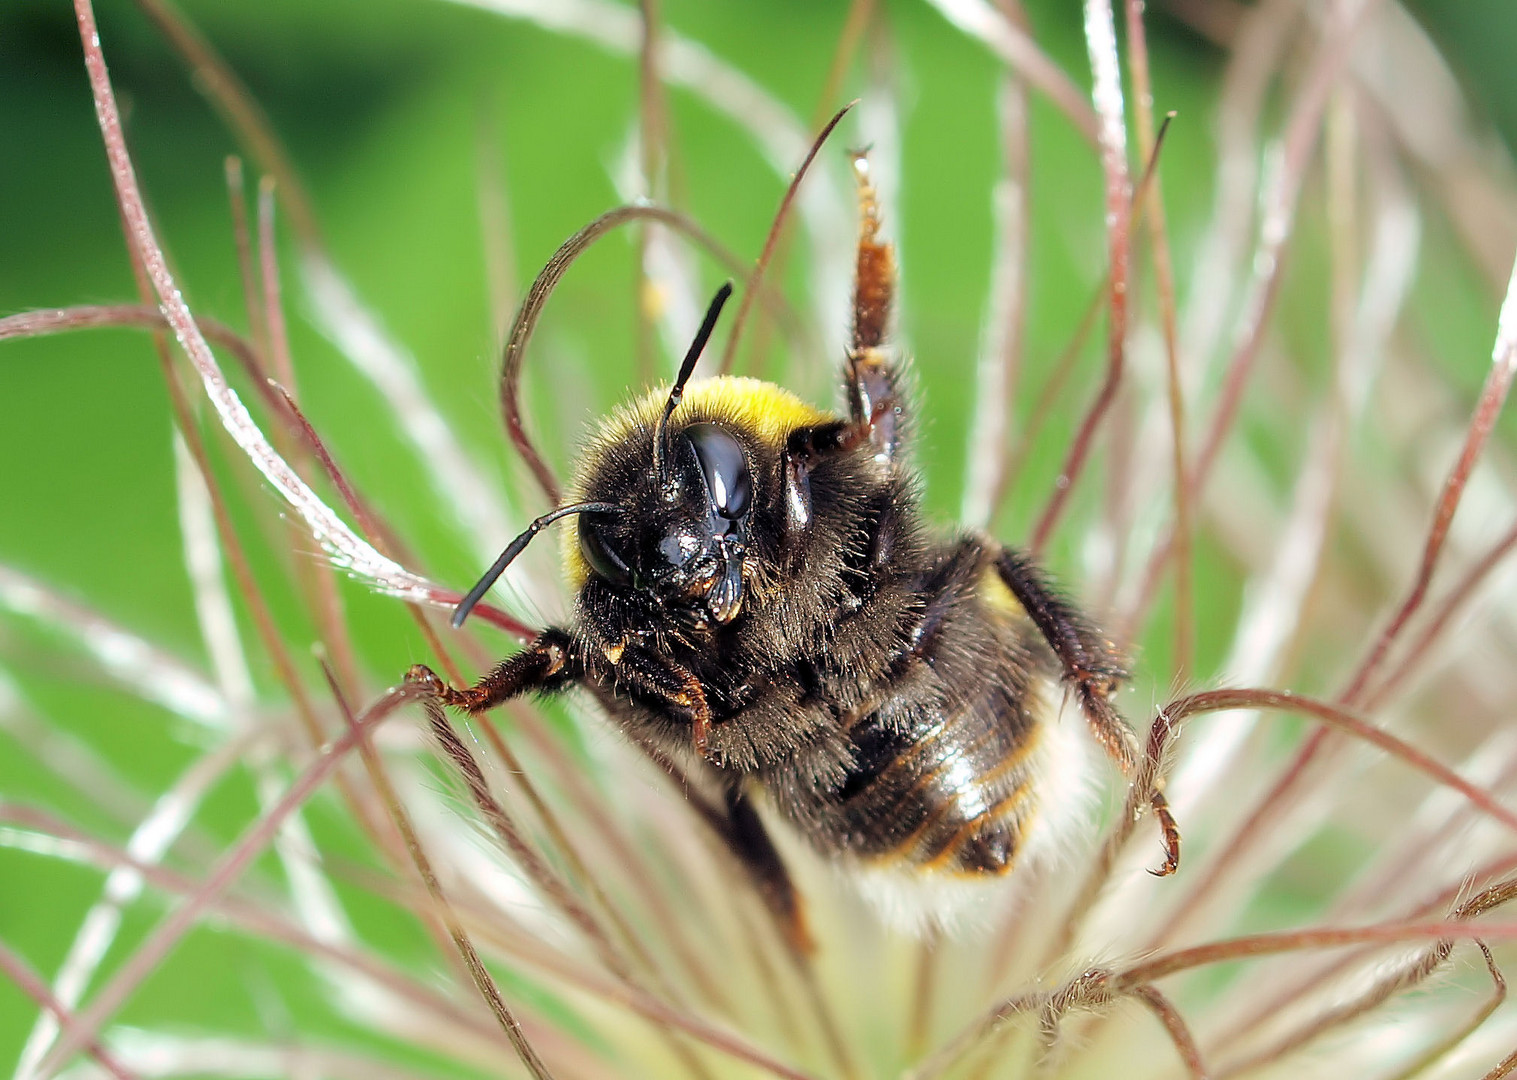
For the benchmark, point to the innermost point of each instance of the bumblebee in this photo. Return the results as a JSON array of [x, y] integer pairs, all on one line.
[[759, 600]]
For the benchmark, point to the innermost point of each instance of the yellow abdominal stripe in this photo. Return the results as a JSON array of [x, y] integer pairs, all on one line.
[[760, 410]]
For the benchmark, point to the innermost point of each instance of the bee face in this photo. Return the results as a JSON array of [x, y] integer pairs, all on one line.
[[682, 539]]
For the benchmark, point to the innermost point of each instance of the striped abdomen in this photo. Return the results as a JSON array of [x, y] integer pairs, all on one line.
[[951, 793], [945, 755]]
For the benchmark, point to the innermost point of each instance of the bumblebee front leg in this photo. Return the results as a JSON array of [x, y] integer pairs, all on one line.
[[665, 684], [543, 665], [1094, 669]]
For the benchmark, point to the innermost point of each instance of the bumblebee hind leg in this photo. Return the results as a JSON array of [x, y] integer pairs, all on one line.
[[1094, 669]]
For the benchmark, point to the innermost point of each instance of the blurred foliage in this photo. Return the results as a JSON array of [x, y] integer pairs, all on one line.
[[1477, 36]]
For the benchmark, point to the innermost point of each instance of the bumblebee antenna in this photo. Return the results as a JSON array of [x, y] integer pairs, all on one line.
[[703, 335], [515, 548]]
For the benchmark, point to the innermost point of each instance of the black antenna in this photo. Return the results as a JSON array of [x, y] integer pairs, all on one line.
[[515, 548], [660, 439]]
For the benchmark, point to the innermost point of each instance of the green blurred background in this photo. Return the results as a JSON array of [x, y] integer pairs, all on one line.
[[385, 106]]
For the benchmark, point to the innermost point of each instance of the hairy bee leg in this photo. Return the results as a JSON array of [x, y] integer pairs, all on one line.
[[803, 449], [1091, 663], [1116, 737], [730, 816], [874, 403], [542, 665], [648, 674], [747, 838], [1171, 829]]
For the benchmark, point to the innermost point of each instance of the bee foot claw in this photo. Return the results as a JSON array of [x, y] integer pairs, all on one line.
[[425, 678], [1171, 864]]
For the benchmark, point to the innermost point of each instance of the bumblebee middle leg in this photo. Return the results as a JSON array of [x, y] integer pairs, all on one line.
[[1094, 669]]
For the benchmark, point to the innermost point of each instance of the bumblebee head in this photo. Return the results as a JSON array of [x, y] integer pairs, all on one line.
[[685, 536], [679, 531]]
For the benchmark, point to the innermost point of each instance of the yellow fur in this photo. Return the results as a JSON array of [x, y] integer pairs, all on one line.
[[996, 594], [758, 409]]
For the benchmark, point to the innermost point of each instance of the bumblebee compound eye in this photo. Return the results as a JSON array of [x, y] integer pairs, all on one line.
[[724, 467], [598, 552]]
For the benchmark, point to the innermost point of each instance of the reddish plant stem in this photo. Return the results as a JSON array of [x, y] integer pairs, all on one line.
[[85, 317], [1488, 407], [729, 354], [1276, 229], [1503, 1068], [1336, 717], [859, 14], [1016, 48], [1101, 39], [1412, 656], [257, 918], [998, 368], [1254, 946], [145, 249], [1300, 142], [1175, 1026], [512, 764], [318, 578], [442, 911], [1048, 396], [1492, 397], [382, 537], [1099, 988], [252, 299], [1164, 276], [149, 278], [514, 353], [1385, 987], [229, 97], [1064, 367], [30, 983], [553, 887], [167, 934], [1400, 977]]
